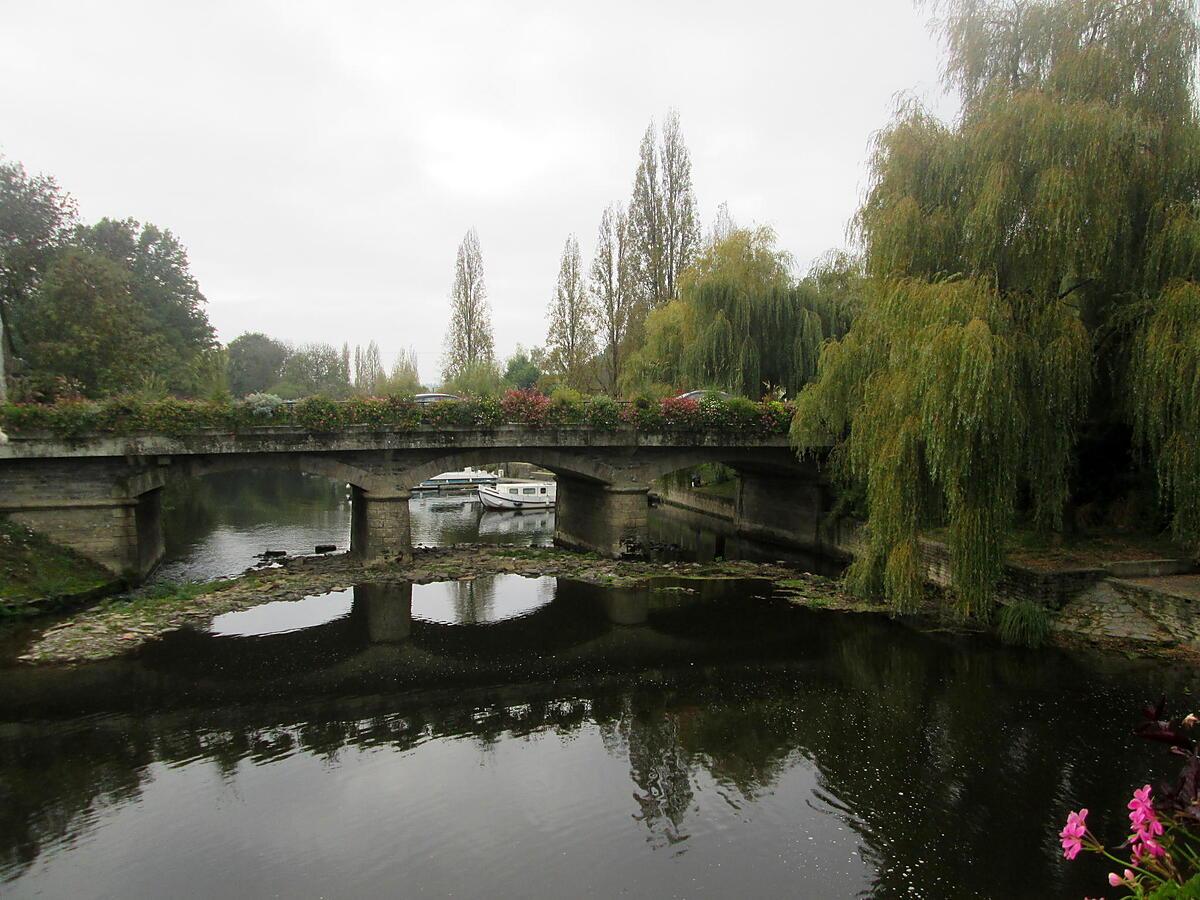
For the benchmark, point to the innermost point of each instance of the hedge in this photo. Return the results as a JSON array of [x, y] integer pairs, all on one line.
[[75, 419]]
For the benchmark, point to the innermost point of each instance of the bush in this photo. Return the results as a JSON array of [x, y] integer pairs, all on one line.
[[262, 406], [679, 412], [74, 419], [601, 412], [526, 408], [1023, 623], [322, 415]]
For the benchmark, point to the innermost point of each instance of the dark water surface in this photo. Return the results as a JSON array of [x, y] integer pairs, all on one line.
[[216, 526], [517, 737]]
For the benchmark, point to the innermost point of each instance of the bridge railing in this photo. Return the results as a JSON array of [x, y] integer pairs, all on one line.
[[77, 419]]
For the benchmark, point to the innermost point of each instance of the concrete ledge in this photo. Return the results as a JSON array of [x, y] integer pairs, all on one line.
[[7, 506], [1150, 568]]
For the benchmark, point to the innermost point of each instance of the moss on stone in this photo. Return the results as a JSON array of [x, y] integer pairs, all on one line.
[[36, 574]]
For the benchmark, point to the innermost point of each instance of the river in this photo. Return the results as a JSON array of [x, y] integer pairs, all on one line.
[[534, 737]]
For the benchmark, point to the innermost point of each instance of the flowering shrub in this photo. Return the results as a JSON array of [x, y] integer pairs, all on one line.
[[1164, 831], [679, 412], [526, 407], [263, 406], [75, 419]]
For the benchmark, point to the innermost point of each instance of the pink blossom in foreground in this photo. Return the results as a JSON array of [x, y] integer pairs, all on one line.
[[1073, 833], [1116, 880], [1145, 826]]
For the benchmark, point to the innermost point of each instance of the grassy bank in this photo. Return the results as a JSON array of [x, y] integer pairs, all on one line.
[[37, 575]]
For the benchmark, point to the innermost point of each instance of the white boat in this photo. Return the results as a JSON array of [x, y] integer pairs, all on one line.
[[518, 495], [467, 478]]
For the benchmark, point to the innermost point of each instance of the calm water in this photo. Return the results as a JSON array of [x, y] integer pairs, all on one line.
[[531, 737], [217, 526], [517, 737]]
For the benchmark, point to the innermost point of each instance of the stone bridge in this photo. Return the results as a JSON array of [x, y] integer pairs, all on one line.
[[102, 496]]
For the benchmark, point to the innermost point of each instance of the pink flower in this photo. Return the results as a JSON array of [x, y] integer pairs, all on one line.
[[1144, 825], [1073, 833], [1116, 880]]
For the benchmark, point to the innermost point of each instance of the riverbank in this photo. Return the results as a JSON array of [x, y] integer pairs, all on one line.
[[122, 624], [38, 576]]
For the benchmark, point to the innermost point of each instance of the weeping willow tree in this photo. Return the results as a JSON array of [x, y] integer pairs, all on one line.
[[742, 324], [1031, 270]]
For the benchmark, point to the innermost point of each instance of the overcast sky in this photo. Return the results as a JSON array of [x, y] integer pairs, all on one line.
[[321, 162]]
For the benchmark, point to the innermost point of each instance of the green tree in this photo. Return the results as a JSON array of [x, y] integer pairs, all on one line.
[[404, 377], [742, 324], [314, 369], [1039, 252], [162, 284], [570, 339], [90, 329], [479, 379], [469, 342], [255, 363], [369, 376], [520, 371], [36, 220], [611, 284]]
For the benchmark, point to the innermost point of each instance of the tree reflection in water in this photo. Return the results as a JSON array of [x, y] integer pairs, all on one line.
[[947, 763]]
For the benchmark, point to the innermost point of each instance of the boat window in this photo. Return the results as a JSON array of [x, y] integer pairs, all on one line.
[[512, 490], [543, 490], [528, 490]]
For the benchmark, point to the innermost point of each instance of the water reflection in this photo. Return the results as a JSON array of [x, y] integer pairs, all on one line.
[[218, 526], [682, 739], [282, 616]]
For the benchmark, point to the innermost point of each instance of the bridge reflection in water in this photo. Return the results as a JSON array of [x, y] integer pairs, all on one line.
[[508, 736]]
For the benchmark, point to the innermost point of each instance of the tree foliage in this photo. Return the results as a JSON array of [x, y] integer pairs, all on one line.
[[571, 338], [742, 323], [404, 377], [316, 369], [521, 371], [255, 363], [1024, 259], [469, 338], [369, 376], [611, 285], [89, 329], [664, 232], [36, 220]]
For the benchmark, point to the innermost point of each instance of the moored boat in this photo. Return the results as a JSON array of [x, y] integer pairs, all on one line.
[[518, 495], [467, 478]]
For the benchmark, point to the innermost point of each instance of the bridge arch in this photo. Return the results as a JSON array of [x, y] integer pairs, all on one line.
[[560, 462], [324, 465]]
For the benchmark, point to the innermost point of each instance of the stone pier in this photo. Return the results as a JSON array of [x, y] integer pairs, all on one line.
[[379, 525], [601, 518]]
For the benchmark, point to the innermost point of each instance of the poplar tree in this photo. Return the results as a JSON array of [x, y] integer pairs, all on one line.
[[663, 228], [1032, 265], [646, 226], [369, 376], [570, 341], [681, 229], [612, 289], [469, 339]]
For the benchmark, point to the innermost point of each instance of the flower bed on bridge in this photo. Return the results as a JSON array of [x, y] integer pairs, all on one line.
[[122, 416]]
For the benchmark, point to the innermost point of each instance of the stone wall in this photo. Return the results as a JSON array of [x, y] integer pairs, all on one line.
[[685, 498], [87, 505]]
